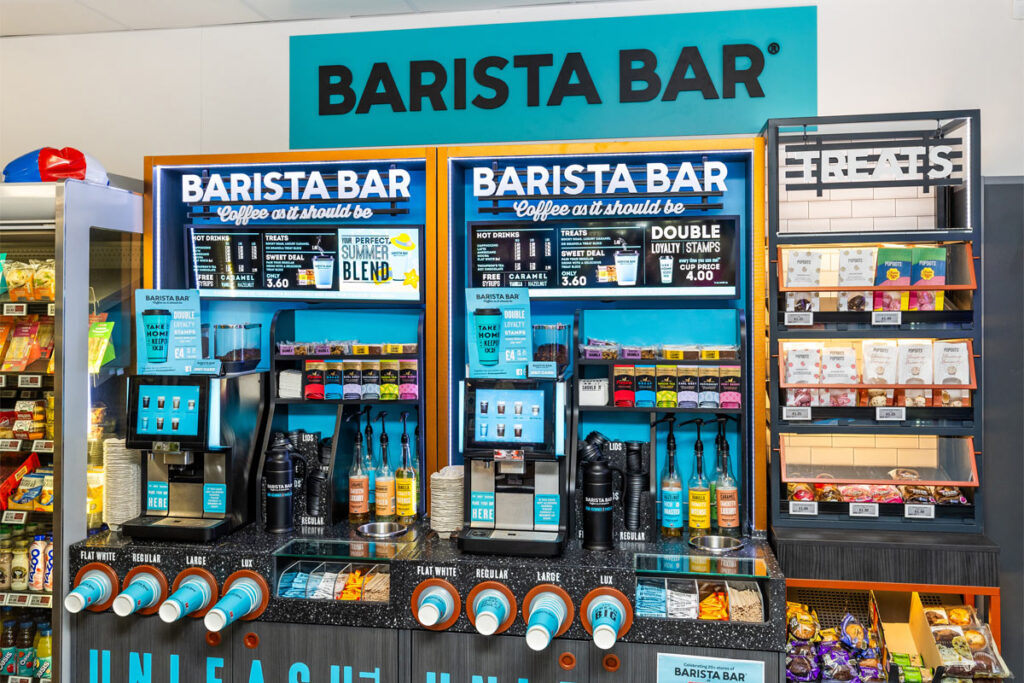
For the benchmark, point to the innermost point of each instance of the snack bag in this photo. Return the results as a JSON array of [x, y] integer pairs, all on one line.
[[803, 269], [801, 622], [838, 366], [22, 350], [892, 270], [928, 268], [852, 633], [803, 366], [856, 269]]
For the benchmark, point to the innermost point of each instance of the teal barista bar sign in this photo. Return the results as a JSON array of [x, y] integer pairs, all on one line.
[[706, 73]]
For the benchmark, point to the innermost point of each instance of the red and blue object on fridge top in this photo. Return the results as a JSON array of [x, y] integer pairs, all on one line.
[[49, 163]]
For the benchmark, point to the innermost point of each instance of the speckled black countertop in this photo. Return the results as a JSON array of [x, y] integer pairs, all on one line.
[[425, 555]]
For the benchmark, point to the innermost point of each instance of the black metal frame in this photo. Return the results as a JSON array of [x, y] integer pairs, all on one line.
[[284, 328], [939, 324], [744, 457]]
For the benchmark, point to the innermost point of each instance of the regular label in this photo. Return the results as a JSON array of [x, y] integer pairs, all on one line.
[[15, 309], [891, 413], [10, 444], [803, 507], [42, 446], [886, 318], [3, 380], [51, 309], [30, 381], [917, 511], [796, 413], [799, 318], [863, 509]]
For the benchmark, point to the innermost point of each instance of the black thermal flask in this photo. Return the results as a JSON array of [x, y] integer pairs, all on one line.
[[598, 499], [277, 486]]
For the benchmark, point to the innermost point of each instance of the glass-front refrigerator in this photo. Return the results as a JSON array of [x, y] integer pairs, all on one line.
[[72, 257]]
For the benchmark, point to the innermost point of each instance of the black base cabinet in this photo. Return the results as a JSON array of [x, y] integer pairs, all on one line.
[[109, 649]]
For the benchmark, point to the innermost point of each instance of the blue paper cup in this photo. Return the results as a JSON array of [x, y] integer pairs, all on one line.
[[606, 615], [490, 609], [242, 598], [94, 588], [547, 612], [142, 593], [193, 594], [435, 606]]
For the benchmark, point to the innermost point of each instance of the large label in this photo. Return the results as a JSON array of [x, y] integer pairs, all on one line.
[[660, 75], [621, 258], [326, 262]]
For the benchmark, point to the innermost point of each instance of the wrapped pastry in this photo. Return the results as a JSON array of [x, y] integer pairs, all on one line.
[[913, 493], [799, 491], [802, 668], [871, 670], [962, 616], [936, 616], [855, 493], [904, 474], [839, 665], [885, 493], [799, 648], [852, 632], [827, 493], [948, 495], [801, 622]]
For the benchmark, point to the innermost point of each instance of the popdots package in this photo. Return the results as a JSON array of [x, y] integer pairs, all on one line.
[[928, 268], [803, 269], [892, 270], [880, 361], [803, 366], [856, 269]]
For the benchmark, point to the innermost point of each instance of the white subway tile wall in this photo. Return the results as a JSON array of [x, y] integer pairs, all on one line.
[[856, 209]]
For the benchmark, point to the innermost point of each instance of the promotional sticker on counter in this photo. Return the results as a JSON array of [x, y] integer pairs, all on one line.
[[673, 668], [620, 258], [168, 333], [498, 332]]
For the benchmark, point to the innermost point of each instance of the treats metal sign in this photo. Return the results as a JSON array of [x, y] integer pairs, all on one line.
[[927, 162], [698, 74]]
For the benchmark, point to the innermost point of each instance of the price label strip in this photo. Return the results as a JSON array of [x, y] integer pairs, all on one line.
[[10, 445], [15, 309], [863, 509], [799, 318], [42, 446], [51, 309], [17, 599], [918, 511], [30, 381], [891, 413], [887, 318], [807, 508], [796, 413]]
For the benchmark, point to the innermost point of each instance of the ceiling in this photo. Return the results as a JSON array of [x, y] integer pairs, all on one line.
[[38, 17]]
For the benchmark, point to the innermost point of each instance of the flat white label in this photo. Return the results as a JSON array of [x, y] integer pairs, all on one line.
[[36, 600], [799, 318], [42, 446], [19, 679], [917, 511], [30, 381], [796, 413], [803, 507], [14, 516], [886, 317], [890, 413], [863, 509], [3, 380], [51, 309], [15, 309], [10, 444]]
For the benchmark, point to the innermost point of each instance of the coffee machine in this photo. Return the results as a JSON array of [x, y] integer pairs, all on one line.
[[512, 439], [198, 435]]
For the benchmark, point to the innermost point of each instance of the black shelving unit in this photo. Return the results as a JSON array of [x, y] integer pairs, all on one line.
[[283, 328], [958, 222], [577, 412]]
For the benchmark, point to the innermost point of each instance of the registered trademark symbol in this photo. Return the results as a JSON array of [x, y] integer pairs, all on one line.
[[773, 48]]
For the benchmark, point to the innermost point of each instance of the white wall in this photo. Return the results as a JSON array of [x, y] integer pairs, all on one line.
[[121, 96]]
